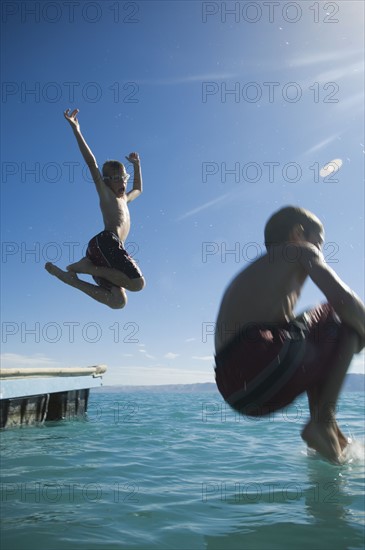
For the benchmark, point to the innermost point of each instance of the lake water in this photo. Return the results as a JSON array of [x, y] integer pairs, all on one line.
[[180, 471]]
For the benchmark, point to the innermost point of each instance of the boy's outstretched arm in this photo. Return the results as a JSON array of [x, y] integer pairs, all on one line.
[[84, 148], [345, 302], [137, 180]]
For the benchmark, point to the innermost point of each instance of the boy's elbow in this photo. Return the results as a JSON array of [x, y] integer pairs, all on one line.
[[344, 300], [134, 194], [351, 311]]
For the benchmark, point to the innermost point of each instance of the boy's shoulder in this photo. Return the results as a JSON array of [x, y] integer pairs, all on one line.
[[281, 262]]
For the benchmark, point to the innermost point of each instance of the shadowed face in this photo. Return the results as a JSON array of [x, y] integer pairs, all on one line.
[[116, 178], [316, 238], [313, 236]]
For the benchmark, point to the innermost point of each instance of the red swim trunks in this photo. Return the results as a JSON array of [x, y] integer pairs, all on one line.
[[266, 366], [107, 250]]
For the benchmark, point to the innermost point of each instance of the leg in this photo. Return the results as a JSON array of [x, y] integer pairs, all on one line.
[[313, 407], [115, 298], [114, 276], [322, 433]]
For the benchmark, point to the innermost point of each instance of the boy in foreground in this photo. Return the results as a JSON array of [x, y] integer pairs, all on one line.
[[265, 357], [106, 258]]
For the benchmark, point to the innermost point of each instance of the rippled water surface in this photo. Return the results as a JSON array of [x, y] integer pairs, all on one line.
[[180, 471]]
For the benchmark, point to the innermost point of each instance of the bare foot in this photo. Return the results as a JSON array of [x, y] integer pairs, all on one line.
[[83, 266], [67, 277], [323, 439], [343, 441]]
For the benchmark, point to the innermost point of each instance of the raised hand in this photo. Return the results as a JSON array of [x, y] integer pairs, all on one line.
[[133, 158], [71, 117]]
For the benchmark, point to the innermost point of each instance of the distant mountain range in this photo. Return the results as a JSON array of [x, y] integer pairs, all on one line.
[[353, 383]]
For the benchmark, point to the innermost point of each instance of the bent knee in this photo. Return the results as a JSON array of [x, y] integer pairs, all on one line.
[[118, 298], [352, 337], [137, 284], [116, 305]]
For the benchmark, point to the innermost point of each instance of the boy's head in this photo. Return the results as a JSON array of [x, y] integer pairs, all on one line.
[[115, 176], [292, 223]]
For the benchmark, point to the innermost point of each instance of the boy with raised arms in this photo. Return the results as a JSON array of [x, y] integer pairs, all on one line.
[[106, 258]]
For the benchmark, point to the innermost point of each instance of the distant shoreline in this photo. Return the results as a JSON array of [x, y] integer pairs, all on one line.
[[353, 383]]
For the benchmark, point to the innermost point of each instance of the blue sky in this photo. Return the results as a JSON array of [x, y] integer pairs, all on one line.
[[233, 115]]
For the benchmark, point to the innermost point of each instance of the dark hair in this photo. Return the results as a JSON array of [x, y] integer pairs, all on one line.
[[279, 225], [114, 165]]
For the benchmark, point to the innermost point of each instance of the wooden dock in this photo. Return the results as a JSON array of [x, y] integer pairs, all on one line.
[[29, 396]]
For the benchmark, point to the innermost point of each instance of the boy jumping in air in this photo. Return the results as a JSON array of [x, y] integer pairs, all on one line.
[[265, 356], [106, 258]]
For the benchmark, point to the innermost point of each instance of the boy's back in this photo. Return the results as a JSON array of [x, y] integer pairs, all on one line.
[[266, 291]]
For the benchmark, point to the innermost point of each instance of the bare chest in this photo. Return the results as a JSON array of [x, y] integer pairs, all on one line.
[[116, 216]]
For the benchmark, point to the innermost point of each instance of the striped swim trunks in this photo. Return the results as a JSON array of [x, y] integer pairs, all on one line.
[[267, 365], [107, 250]]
